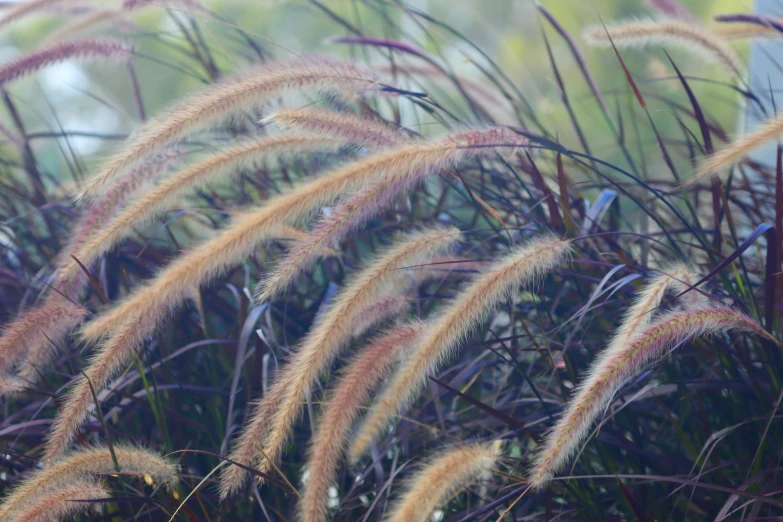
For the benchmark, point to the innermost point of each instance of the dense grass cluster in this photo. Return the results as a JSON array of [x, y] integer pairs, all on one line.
[[368, 287]]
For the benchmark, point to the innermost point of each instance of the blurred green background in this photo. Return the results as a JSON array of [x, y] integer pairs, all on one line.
[[97, 97]]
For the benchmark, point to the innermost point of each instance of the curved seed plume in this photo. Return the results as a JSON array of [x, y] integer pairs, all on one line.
[[444, 333], [35, 335], [89, 461], [639, 316], [10, 385], [140, 312], [273, 417], [69, 278], [223, 100], [366, 203], [52, 320], [344, 406], [86, 22], [441, 478], [655, 33], [738, 149], [254, 226], [616, 366], [59, 52], [22, 9], [163, 197], [747, 30], [392, 306], [61, 503], [320, 122]]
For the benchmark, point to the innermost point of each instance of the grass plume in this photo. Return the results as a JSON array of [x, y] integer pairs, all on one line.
[[683, 34], [52, 320], [321, 122], [60, 52], [59, 503], [21, 10], [442, 477], [342, 409], [166, 195], [444, 333], [361, 206], [84, 23], [274, 416], [617, 365], [738, 149], [225, 99], [85, 462]]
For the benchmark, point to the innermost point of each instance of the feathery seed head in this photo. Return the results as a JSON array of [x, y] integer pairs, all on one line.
[[352, 391], [522, 266], [412, 163], [22, 9], [60, 503], [53, 319], [616, 365], [85, 462], [443, 476], [320, 122], [59, 52], [225, 99], [655, 33], [735, 151], [165, 195], [275, 415]]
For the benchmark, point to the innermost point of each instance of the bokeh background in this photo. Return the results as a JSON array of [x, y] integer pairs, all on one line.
[[93, 103]]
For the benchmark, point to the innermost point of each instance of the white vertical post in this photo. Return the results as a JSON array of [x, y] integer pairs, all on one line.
[[765, 72]]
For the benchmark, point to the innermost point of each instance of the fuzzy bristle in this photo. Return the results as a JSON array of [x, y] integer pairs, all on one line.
[[440, 478], [667, 32], [445, 333], [342, 409], [62, 502], [319, 122], [275, 414], [368, 202], [60, 52], [223, 100], [165, 196], [617, 365], [735, 151], [85, 462]]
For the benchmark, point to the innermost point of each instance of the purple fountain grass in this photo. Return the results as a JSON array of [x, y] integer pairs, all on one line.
[[343, 407], [368, 202], [33, 338], [59, 52], [252, 227], [85, 462], [274, 416], [23, 9], [64, 502], [163, 197], [385, 306], [69, 278], [668, 32], [319, 122], [38, 326], [86, 22], [225, 99], [738, 149], [442, 477], [614, 367], [10, 385], [445, 333]]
